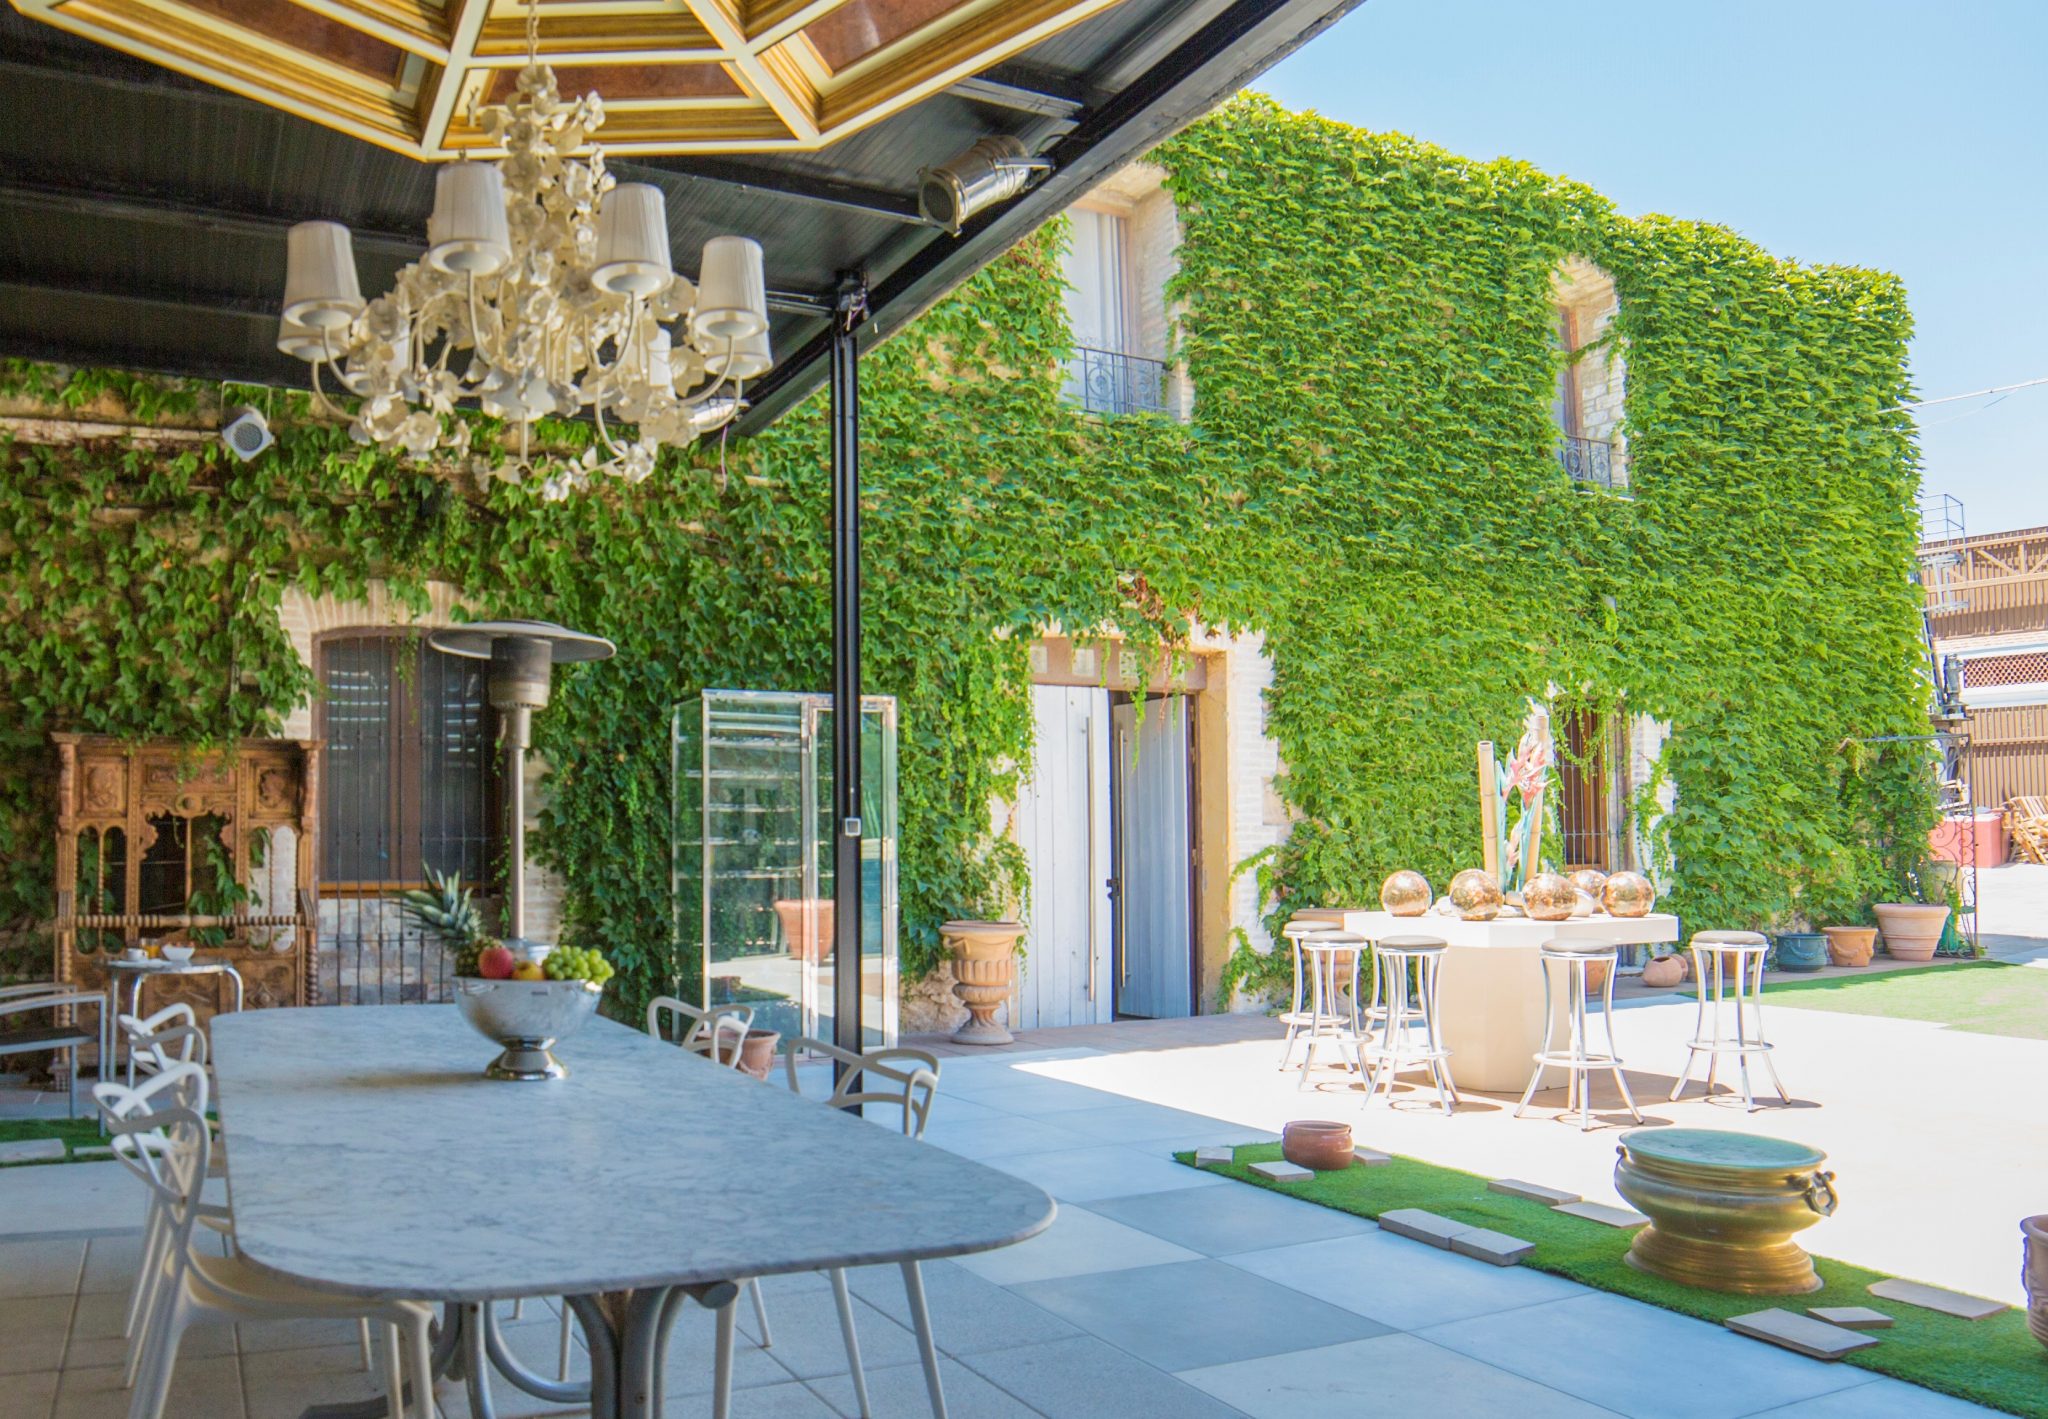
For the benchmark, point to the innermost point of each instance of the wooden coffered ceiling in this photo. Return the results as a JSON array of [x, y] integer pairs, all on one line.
[[677, 76]]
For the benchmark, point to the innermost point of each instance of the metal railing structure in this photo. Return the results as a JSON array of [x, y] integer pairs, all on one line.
[[1108, 382], [1588, 461]]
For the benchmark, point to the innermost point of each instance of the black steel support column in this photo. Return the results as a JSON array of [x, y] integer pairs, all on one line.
[[847, 917]]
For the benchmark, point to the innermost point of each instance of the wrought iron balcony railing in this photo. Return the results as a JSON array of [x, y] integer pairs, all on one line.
[[1107, 382], [1589, 461]]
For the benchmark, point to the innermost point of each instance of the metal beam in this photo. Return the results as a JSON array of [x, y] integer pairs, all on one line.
[[1203, 70], [103, 203], [847, 828], [780, 183], [1028, 90]]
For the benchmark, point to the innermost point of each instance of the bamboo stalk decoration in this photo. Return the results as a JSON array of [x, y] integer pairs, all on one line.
[[1489, 809]]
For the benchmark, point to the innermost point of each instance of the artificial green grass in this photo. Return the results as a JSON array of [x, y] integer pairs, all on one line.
[[1984, 997], [1994, 1362], [76, 1133]]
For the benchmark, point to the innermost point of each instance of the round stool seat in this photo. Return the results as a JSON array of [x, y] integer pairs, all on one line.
[[1730, 938], [1406, 972], [1409, 945], [1583, 1003], [1728, 976]]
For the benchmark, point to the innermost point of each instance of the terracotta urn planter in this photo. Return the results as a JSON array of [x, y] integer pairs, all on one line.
[[807, 926], [1911, 929], [1850, 945], [1801, 951], [1666, 972], [1318, 1144], [2034, 1271], [984, 965], [757, 1053]]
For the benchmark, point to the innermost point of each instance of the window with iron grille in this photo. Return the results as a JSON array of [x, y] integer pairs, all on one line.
[[2025, 668]]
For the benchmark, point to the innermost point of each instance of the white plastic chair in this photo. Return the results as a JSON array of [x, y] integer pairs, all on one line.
[[908, 1079], [31, 996], [190, 1287], [706, 1028]]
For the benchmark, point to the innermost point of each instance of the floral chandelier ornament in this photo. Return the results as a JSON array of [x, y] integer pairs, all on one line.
[[546, 290]]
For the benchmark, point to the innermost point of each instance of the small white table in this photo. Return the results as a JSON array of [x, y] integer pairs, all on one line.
[[139, 971], [368, 1155], [1492, 987]]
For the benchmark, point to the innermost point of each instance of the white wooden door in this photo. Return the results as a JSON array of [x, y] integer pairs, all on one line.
[[1063, 826]]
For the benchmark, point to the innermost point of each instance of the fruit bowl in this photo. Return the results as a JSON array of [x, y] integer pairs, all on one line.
[[527, 1017]]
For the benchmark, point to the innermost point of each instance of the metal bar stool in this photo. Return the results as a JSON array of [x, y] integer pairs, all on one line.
[[1297, 931], [1406, 971], [1728, 970], [1578, 1059], [1331, 960]]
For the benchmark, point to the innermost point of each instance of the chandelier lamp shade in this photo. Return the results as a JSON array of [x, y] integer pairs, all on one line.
[[547, 291]]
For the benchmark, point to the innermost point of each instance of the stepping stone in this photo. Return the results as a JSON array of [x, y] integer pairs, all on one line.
[[1214, 1157], [1370, 1157], [1851, 1317], [1801, 1333], [1490, 1246], [1601, 1212], [1280, 1170], [1532, 1192], [1934, 1298], [32, 1150], [92, 1152], [1418, 1225]]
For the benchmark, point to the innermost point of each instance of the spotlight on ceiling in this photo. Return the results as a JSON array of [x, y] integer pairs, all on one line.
[[993, 170], [246, 434]]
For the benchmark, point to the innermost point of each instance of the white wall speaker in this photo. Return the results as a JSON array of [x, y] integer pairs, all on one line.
[[246, 434]]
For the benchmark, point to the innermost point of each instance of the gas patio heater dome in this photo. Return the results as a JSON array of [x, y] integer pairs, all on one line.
[[546, 290]]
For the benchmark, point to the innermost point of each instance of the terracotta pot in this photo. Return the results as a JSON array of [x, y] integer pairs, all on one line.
[[984, 965], [1911, 929], [757, 1053], [2034, 1272], [1665, 972], [807, 926], [1317, 1144], [1850, 945]]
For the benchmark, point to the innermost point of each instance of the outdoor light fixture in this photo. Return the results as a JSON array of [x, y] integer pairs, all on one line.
[[546, 290], [993, 170], [522, 656], [246, 434]]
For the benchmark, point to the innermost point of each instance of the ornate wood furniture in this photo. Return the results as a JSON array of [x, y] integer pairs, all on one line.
[[158, 840]]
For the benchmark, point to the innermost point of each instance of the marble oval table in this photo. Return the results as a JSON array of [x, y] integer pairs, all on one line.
[[1491, 989], [368, 1155]]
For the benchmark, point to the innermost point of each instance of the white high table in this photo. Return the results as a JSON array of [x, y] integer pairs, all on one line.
[[368, 1155], [1492, 983]]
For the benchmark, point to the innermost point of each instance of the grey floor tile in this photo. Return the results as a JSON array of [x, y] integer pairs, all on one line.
[[263, 1335], [1881, 1399], [40, 1268], [1390, 1374], [279, 1384], [788, 1400], [28, 1396], [200, 1389], [900, 1391], [33, 1330], [1084, 1378], [1651, 1362], [808, 1342], [1005, 1133], [950, 1108], [1404, 1284], [1088, 1174], [1227, 1134], [96, 1337], [1218, 1221], [1137, 1122], [691, 1346], [111, 1263], [1196, 1313], [1078, 1242], [969, 1314], [1031, 1096], [73, 1198]]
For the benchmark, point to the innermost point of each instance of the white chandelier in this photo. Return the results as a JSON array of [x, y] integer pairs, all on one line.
[[546, 290]]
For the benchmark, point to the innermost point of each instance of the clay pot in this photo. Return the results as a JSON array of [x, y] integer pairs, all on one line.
[[984, 965], [1549, 897], [1801, 951], [1850, 945], [2034, 1272], [1665, 972], [757, 1053], [1628, 894], [807, 926], [1406, 893], [1911, 929], [1475, 894], [1317, 1144]]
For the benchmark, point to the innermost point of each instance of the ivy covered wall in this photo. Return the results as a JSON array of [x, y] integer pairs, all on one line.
[[1368, 480]]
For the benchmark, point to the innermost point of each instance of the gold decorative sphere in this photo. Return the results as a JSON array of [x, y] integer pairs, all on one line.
[[1549, 897], [1590, 880], [1406, 893], [1475, 894], [1628, 894]]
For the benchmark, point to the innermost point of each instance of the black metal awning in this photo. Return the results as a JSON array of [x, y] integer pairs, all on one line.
[[143, 214]]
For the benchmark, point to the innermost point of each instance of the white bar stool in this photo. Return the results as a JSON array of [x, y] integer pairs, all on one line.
[[1297, 1016], [1728, 970], [1331, 960], [1578, 1059], [1406, 972]]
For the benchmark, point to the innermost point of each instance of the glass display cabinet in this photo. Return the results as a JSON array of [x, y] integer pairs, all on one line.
[[751, 846]]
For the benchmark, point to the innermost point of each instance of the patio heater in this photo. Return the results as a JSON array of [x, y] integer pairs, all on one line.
[[522, 656]]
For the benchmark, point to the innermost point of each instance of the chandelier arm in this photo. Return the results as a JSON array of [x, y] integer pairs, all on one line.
[[603, 434], [320, 398]]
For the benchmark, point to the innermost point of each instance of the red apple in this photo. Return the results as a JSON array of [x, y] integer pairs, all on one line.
[[495, 963]]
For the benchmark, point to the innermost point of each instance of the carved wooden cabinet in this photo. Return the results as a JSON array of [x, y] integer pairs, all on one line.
[[158, 841]]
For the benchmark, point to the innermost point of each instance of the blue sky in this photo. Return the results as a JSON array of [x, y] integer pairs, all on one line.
[[1909, 137]]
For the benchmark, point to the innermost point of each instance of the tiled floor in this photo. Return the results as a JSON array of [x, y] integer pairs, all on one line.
[[1159, 1293]]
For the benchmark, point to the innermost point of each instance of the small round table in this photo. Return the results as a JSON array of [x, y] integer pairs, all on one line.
[[140, 971]]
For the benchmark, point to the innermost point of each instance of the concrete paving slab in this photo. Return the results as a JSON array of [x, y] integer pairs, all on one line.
[[1495, 1248], [1420, 1226], [32, 1150], [1280, 1170], [1533, 1192], [1936, 1298], [1799, 1333], [1851, 1317], [1608, 1216]]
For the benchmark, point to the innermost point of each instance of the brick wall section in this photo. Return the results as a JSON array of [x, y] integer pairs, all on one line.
[[1258, 819]]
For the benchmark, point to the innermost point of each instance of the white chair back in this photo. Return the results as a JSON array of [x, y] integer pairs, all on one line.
[[717, 1032], [168, 1037], [868, 1076]]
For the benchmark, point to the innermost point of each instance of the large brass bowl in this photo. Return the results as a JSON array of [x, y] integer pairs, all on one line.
[[1724, 1207]]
